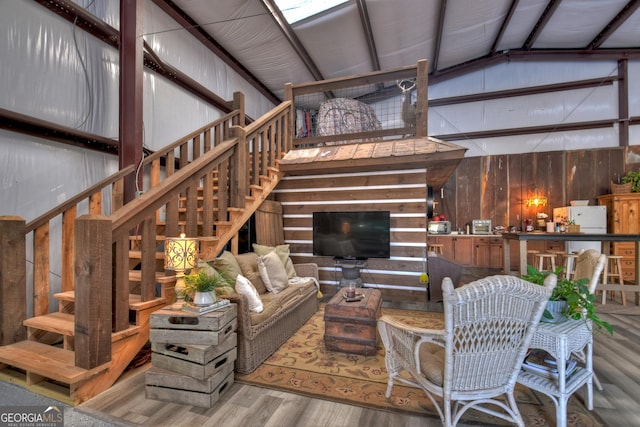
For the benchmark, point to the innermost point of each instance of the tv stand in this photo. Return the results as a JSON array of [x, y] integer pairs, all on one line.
[[350, 271]]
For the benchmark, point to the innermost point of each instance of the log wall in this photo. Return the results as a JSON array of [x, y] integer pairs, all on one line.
[[401, 192]]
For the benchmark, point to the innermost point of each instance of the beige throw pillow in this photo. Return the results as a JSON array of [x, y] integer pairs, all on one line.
[[244, 287], [283, 254], [272, 272], [249, 265]]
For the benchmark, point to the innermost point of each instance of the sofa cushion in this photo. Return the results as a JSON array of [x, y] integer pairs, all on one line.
[[244, 287], [282, 301], [249, 265], [272, 272], [283, 253], [432, 362], [228, 266]]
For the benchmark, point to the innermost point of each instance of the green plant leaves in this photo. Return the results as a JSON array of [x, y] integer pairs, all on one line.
[[580, 302]]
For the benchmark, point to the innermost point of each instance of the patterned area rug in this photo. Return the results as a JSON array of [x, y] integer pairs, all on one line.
[[303, 366]]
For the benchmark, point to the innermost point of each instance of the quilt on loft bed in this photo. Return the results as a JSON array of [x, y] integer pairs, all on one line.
[[341, 116]]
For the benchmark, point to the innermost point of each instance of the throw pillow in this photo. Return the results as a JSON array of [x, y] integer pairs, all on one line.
[[249, 265], [283, 254], [210, 271], [206, 267], [272, 272], [244, 287], [227, 265]]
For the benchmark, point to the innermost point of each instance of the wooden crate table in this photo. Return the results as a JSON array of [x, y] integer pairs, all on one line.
[[351, 327], [193, 356]]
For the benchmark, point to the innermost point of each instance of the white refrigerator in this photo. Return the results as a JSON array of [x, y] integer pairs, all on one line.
[[591, 219]]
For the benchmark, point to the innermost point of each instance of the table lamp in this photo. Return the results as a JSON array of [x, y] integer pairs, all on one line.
[[180, 254]]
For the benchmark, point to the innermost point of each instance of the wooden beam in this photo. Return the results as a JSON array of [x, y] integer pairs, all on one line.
[[131, 85], [93, 291], [13, 286]]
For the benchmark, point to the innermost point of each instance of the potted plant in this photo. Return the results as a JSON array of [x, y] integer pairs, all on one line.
[[632, 177], [571, 226], [574, 296], [199, 287]]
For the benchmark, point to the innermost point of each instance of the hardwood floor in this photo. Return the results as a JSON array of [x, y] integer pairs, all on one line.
[[615, 363], [615, 359]]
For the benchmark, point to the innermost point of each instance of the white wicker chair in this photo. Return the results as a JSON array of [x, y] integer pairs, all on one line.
[[589, 264], [477, 356]]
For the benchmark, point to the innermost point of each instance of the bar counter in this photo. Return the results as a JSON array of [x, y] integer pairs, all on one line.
[[605, 239]]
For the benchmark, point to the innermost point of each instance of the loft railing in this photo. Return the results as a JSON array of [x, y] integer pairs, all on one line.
[[389, 104]]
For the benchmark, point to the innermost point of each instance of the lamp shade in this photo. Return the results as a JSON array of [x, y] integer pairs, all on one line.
[[536, 201], [180, 253]]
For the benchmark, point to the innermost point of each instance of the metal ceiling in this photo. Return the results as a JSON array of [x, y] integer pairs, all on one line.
[[360, 36]]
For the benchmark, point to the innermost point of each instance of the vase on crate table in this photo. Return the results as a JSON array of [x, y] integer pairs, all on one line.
[[203, 299]]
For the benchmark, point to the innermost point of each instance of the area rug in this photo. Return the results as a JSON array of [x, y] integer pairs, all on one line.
[[304, 366]]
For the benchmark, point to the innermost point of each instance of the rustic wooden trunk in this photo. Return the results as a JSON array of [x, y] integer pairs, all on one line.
[[351, 327]]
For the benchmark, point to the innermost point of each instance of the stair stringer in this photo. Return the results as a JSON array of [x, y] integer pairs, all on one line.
[[124, 348], [252, 204]]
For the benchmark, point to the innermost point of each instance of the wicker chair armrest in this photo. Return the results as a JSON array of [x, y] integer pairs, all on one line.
[[426, 334]]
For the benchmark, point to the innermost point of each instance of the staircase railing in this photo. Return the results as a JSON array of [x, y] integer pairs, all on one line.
[[225, 159]]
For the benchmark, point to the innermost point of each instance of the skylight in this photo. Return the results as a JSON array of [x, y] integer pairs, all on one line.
[[297, 10]]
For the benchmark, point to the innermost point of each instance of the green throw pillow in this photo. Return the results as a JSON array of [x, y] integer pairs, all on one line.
[[228, 266]]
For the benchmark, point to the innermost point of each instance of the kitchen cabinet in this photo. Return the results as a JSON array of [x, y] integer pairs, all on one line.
[[623, 217], [458, 248], [487, 252]]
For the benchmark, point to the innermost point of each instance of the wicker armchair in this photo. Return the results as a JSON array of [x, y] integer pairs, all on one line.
[[477, 356], [589, 265]]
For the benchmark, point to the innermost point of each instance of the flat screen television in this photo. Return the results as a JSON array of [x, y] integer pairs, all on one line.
[[352, 235]]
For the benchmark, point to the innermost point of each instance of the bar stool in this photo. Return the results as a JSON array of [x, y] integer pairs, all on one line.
[[531, 253], [568, 261], [613, 269], [435, 247], [559, 257], [545, 258]]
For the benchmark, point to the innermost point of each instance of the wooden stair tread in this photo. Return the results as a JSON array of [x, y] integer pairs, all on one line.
[[65, 296], [134, 304], [138, 254], [48, 361], [161, 277], [59, 323], [137, 237]]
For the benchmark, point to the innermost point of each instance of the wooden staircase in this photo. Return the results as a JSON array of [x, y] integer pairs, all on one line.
[[48, 353], [103, 315]]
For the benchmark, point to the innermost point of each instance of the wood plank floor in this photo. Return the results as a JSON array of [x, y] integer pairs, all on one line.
[[615, 361]]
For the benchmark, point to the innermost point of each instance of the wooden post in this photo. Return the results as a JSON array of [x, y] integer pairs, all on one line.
[[422, 103], [93, 264], [13, 283], [238, 104], [291, 122], [238, 169], [148, 261]]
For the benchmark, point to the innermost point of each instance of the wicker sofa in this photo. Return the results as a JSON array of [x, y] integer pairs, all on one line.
[[261, 334]]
